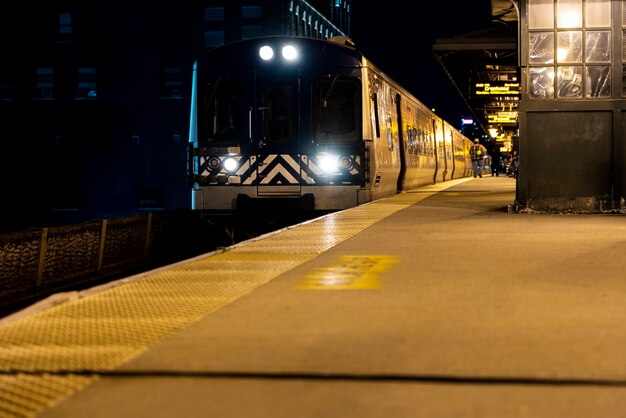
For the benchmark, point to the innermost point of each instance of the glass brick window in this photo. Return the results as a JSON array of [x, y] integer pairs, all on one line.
[[623, 48], [569, 49]]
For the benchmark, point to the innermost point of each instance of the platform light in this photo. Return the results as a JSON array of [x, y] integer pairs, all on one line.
[[289, 52], [266, 52]]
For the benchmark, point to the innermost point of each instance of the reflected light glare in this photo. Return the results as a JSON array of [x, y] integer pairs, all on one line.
[[561, 53], [266, 52], [289, 52], [329, 230], [335, 278]]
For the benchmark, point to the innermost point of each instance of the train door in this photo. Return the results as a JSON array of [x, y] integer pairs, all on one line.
[[447, 149], [453, 154], [440, 160], [277, 136], [401, 143]]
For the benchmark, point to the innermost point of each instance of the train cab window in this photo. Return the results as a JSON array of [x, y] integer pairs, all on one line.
[[336, 110], [277, 117], [223, 111]]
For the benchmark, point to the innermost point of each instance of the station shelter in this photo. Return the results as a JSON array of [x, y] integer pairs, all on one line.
[[572, 108]]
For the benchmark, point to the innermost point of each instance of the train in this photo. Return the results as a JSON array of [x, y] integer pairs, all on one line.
[[285, 122]]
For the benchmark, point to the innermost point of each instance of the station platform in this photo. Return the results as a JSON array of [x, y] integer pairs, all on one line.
[[438, 302]]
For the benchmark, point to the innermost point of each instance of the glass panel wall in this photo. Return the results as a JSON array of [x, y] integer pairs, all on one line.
[[570, 49]]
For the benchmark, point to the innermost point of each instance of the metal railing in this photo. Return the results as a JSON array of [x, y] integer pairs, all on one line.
[[41, 261]]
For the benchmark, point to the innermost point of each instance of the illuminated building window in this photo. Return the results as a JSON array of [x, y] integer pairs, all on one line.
[[251, 22], [65, 23], [44, 84], [86, 83], [569, 49], [213, 27], [171, 83]]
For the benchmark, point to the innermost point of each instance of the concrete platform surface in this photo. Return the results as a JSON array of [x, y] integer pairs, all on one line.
[[450, 305]]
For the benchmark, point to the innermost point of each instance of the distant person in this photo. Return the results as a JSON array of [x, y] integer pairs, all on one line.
[[512, 172], [477, 154], [496, 167]]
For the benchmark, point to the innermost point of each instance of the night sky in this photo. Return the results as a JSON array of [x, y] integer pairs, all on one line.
[[400, 41]]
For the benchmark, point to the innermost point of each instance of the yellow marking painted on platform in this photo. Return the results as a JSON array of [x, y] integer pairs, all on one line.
[[353, 272]]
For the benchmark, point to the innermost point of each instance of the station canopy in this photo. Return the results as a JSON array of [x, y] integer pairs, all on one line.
[[483, 66]]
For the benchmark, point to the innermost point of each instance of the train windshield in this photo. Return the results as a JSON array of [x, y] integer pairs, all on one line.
[[336, 110], [222, 110]]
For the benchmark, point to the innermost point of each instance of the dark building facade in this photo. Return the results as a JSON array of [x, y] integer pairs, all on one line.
[[94, 98]]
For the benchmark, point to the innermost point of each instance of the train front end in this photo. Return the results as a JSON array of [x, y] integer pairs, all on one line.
[[276, 122]]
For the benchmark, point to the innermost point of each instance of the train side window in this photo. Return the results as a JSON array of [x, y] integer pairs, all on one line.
[[278, 116], [223, 111], [418, 141], [336, 110], [376, 121]]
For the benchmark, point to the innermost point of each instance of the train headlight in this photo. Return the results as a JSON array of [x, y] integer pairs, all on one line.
[[266, 52], [230, 164], [329, 163], [289, 52]]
